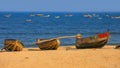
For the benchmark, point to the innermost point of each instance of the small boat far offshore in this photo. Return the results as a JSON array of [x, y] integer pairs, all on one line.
[[28, 20], [97, 41], [57, 17], [7, 15]]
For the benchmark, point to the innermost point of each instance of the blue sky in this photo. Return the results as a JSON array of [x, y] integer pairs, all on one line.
[[60, 5]]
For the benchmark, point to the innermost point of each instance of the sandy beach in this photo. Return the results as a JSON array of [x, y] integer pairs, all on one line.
[[63, 57]]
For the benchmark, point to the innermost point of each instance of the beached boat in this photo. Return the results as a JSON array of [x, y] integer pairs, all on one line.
[[50, 44], [118, 46], [13, 45], [97, 41]]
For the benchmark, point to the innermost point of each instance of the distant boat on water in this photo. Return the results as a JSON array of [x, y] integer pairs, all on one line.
[[28, 20], [57, 17], [39, 14], [88, 16], [7, 15], [116, 17], [32, 15], [68, 15], [94, 15], [47, 16], [99, 18], [107, 16]]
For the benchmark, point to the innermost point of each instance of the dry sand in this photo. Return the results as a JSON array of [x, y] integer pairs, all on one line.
[[63, 57]]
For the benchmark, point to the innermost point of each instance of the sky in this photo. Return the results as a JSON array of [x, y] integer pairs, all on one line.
[[60, 5]]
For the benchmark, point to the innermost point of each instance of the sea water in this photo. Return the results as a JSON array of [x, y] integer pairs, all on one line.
[[29, 26]]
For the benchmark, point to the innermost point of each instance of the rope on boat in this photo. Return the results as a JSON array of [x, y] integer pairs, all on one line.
[[66, 37], [57, 38], [62, 37]]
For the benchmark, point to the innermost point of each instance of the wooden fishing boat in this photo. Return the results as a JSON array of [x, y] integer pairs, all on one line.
[[118, 46], [50, 44], [13, 45], [97, 41]]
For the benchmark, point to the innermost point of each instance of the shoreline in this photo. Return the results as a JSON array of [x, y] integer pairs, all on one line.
[[35, 46], [70, 47]]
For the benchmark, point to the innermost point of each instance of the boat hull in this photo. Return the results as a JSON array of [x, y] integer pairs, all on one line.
[[97, 41], [13, 45], [52, 44]]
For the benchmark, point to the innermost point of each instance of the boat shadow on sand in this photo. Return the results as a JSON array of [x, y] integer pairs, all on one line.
[[33, 49]]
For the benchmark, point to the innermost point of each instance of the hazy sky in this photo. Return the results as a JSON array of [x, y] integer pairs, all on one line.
[[60, 5]]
